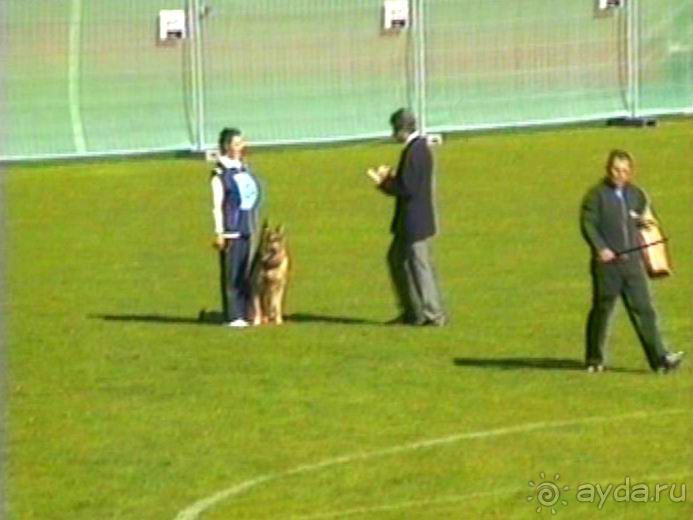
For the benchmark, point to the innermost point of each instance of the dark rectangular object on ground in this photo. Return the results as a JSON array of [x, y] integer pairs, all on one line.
[[632, 121]]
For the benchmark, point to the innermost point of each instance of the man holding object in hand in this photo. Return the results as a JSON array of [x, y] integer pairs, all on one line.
[[610, 216], [413, 225]]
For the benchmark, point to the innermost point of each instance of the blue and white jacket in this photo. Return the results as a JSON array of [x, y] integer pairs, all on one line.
[[236, 199]]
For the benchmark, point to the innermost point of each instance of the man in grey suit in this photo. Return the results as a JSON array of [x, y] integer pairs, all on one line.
[[413, 225]]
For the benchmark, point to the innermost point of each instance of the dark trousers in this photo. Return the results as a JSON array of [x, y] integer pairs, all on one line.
[[234, 262], [628, 280], [414, 281]]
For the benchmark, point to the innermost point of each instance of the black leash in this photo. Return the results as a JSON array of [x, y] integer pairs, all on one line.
[[643, 246]]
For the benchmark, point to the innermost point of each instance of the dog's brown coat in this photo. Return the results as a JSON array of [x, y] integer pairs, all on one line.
[[270, 276]]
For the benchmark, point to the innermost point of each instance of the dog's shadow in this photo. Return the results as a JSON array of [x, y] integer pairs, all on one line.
[[526, 363]]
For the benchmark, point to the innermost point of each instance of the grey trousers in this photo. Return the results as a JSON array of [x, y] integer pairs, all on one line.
[[415, 282], [626, 279]]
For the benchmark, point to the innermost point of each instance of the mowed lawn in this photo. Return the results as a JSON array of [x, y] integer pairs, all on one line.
[[122, 406]]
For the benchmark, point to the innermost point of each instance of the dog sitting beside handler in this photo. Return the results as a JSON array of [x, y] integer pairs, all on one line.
[[252, 285], [269, 276]]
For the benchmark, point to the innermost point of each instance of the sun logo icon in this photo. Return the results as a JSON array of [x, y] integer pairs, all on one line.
[[547, 493]]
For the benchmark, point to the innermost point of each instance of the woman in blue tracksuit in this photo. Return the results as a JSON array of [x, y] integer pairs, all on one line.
[[236, 199]]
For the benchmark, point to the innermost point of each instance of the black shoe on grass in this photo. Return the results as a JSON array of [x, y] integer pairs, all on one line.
[[671, 362]]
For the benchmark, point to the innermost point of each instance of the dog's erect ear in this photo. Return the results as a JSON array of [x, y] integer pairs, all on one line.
[[280, 229]]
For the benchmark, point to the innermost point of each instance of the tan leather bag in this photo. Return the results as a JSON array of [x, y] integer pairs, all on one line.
[[655, 251]]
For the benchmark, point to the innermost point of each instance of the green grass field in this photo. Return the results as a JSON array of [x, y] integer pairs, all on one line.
[[122, 406]]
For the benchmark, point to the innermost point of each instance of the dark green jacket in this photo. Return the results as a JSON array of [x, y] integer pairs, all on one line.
[[609, 221]]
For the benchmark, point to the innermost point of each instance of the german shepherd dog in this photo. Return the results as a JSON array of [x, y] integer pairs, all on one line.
[[269, 276]]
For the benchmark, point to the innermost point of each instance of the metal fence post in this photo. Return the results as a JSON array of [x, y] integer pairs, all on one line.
[[74, 72], [420, 73], [196, 73], [633, 56], [637, 75]]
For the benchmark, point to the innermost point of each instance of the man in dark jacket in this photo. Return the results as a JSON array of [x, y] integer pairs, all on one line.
[[610, 216], [235, 197], [414, 223]]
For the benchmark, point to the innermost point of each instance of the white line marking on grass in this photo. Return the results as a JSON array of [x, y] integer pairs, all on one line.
[[193, 511], [461, 498], [408, 505]]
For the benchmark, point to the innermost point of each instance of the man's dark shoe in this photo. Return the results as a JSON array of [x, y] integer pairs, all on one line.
[[400, 320], [671, 362]]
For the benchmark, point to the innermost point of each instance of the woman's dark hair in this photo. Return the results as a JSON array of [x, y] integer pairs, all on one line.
[[225, 137]]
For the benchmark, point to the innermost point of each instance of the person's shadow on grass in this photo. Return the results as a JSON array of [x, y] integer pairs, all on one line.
[[304, 317], [525, 363], [206, 317], [159, 319]]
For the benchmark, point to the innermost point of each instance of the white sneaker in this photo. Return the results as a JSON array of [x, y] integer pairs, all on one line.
[[240, 322]]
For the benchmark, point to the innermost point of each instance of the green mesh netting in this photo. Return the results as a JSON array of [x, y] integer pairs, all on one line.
[[287, 70], [89, 76], [666, 56], [508, 62]]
